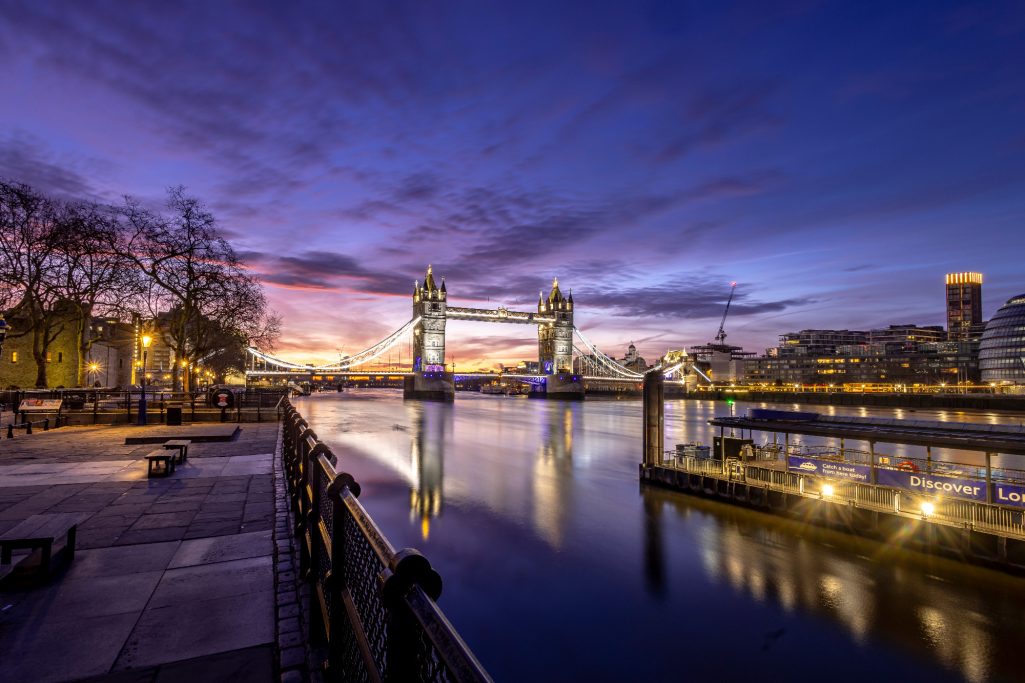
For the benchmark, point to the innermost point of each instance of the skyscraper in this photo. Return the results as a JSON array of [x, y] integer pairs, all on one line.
[[964, 306]]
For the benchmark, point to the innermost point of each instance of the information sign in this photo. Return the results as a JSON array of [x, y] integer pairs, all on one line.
[[829, 468], [46, 405]]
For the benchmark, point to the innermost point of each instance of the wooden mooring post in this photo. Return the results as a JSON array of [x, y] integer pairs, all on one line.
[[654, 417]]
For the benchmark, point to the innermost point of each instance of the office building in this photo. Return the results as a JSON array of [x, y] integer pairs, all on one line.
[[964, 306]]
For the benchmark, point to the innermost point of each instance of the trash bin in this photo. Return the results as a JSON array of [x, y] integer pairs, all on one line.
[[173, 416]]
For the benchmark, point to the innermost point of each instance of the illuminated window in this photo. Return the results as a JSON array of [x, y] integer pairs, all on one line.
[[14, 356], [49, 356]]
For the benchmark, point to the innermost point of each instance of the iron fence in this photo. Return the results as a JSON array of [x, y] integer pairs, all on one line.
[[372, 608], [101, 404]]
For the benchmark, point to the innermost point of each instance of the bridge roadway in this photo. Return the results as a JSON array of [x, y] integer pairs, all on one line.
[[298, 374], [970, 437], [497, 315]]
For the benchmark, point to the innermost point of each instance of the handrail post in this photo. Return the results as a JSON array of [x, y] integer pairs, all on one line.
[[315, 623], [407, 569], [338, 584]]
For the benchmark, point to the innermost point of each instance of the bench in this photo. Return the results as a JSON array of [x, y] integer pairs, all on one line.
[[183, 448], [163, 457], [39, 532]]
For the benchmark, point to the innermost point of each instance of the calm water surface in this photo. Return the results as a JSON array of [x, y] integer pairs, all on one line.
[[559, 566]]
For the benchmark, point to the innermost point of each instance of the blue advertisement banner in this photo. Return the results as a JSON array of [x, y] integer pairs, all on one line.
[[829, 468], [955, 487], [1009, 494]]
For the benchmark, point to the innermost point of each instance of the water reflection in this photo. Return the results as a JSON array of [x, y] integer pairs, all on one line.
[[936, 608], [531, 510], [432, 427]]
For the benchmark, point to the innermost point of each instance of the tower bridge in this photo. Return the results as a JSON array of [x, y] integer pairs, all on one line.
[[428, 377]]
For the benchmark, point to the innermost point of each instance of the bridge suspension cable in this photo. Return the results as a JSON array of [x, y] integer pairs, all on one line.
[[605, 360], [364, 356]]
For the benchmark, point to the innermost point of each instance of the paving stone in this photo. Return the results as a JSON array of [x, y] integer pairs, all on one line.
[[292, 657], [122, 560], [211, 529], [64, 649], [220, 579], [162, 520], [292, 676], [197, 628], [220, 549], [131, 537], [290, 639], [248, 665]]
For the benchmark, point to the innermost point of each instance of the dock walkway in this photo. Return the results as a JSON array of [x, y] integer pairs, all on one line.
[[174, 578]]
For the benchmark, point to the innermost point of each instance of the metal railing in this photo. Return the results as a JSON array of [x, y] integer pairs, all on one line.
[[27, 425], [100, 404], [372, 608], [954, 512]]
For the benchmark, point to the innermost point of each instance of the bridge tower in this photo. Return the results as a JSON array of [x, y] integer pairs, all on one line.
[[429, 380], [555, 345]]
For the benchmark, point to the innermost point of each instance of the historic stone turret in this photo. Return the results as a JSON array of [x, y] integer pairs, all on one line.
[[555, 344], [430, 379], [555, 339], [429, 302]]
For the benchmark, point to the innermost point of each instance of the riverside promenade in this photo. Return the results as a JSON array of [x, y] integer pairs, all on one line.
[[174, 578]]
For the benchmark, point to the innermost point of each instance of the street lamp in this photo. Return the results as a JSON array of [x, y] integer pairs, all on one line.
[[146, 341]]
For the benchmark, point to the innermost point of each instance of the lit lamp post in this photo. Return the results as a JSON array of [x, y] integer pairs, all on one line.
[[146, 341]]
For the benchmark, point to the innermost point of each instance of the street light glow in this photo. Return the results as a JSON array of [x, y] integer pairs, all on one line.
[[146, 341], [827, 490]]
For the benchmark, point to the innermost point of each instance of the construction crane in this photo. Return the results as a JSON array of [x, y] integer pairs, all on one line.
[[720, 338]]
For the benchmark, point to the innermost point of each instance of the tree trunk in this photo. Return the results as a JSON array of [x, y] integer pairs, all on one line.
[[39, 355], [84, 344]]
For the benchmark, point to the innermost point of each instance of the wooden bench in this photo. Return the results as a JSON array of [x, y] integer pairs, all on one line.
[[39, 532], [160, 456], [183, 448]]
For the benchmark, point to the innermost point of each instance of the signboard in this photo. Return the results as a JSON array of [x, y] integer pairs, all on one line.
[[931, 484], [829, 468], [1009, 494], [222, 398], [47, 405]]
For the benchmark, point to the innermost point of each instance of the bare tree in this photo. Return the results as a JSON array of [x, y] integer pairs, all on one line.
[[30, 234], [97, 277], [205, 300]]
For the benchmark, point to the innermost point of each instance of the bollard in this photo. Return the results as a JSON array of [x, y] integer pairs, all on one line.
[[46, 424], [10, 430], [28, 428]]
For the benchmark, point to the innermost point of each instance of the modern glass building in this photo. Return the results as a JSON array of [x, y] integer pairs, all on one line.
[[1002, 350]]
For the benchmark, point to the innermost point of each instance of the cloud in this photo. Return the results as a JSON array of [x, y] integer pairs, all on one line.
[[26, 160], [324, 270], [683, 298]]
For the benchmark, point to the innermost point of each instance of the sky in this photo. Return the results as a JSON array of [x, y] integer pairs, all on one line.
[[835, 159]]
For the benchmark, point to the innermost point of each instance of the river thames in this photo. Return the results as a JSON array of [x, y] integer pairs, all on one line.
[[559, 565]]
